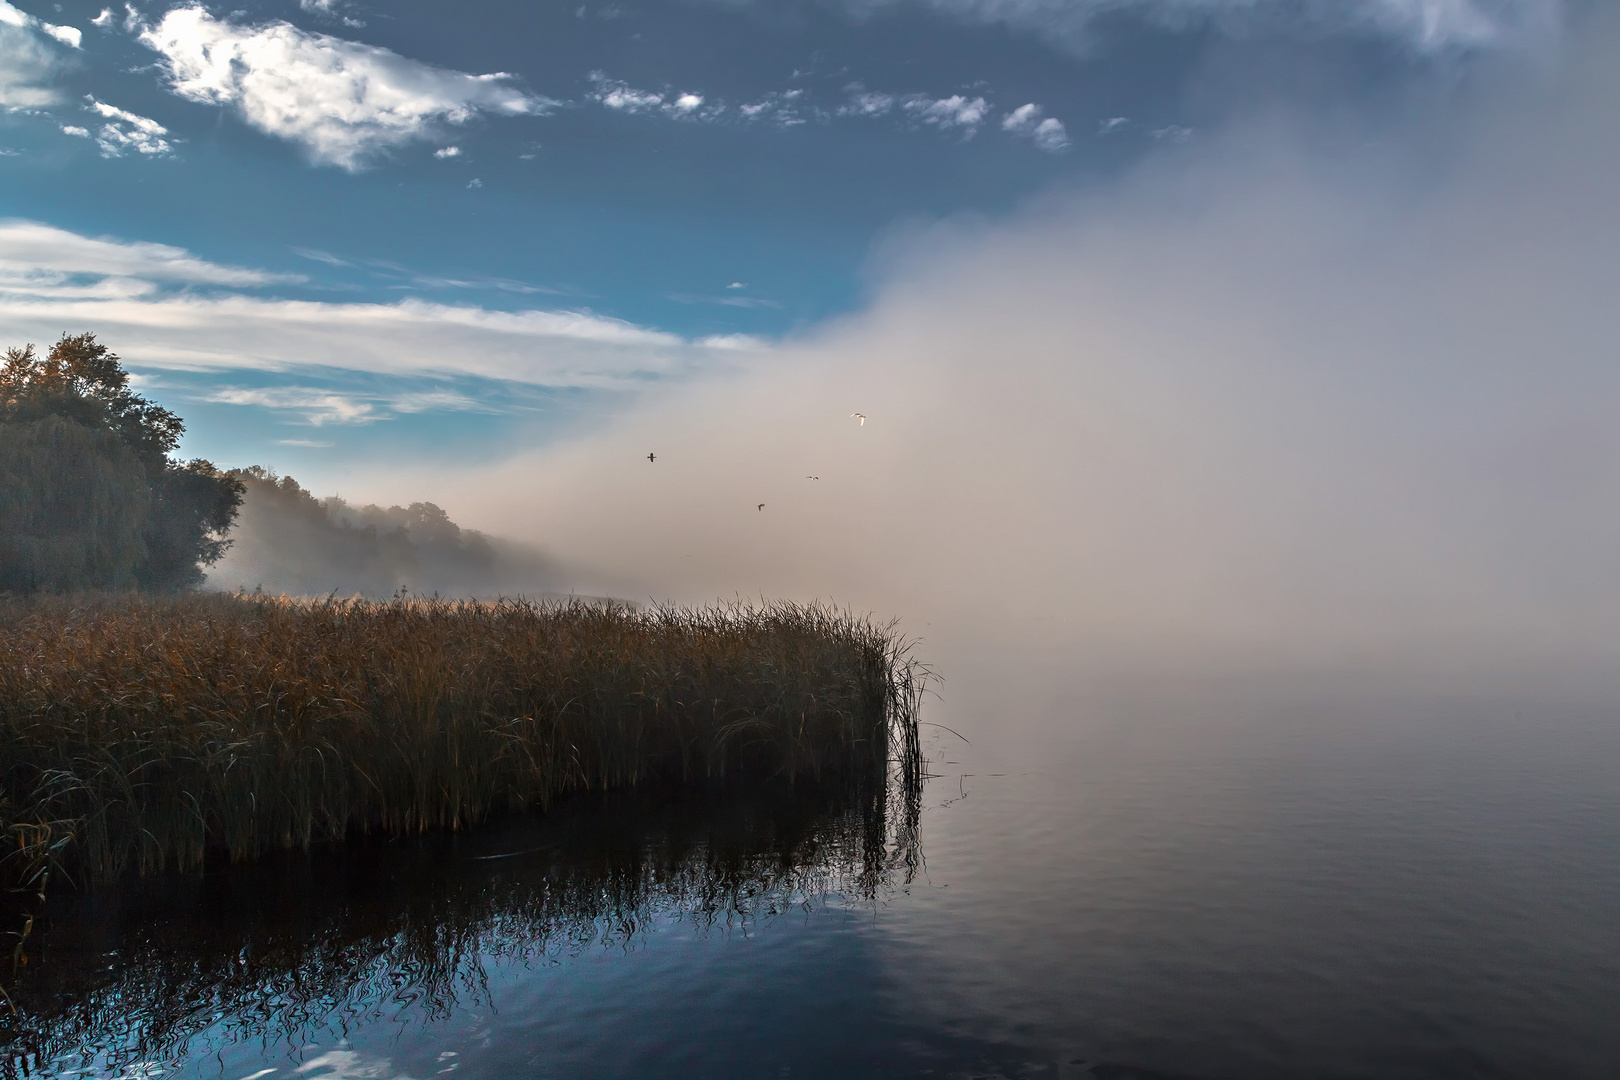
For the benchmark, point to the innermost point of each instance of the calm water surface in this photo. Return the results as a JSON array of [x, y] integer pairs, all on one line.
[[1123, 877]]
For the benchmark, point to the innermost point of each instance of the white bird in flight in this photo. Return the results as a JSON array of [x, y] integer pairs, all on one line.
[[861, 416]]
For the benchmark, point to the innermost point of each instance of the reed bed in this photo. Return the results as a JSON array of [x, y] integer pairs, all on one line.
[[145, 733]]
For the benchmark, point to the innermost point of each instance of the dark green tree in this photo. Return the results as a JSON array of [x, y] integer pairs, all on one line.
[[90, 494]]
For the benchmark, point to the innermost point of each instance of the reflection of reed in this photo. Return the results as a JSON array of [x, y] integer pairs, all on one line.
[[297, 944]]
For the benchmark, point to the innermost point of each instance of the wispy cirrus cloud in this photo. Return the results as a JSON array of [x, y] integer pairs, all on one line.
[[343, 101], [36, 259], [167, 308], [959, 114], [406, 278], [320, 407], [317, 407], [731, 300]]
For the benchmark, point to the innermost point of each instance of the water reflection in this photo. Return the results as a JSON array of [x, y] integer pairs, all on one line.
[[1267, 879], [296, 955]]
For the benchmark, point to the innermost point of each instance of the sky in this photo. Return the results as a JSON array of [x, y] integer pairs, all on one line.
[[1284, 325], [330, 232]]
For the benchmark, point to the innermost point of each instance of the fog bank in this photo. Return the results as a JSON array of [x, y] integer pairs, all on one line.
[[1263, 399], [288, 542]]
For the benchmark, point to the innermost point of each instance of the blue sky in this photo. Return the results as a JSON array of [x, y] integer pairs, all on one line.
[[334, 231]]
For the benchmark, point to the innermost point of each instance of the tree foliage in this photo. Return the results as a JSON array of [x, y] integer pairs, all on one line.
[[90, 494]]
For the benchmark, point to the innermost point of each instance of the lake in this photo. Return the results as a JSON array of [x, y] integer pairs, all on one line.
[[1114, 873]]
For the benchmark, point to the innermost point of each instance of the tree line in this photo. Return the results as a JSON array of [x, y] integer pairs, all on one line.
[[288, 540], [91, 494]]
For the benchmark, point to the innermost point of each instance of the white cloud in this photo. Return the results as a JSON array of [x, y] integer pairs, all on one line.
[[320, 407], [733, 342], [954, 112], [447, 152], [783, 109], [53, 280], [104, 20], [725, 301], [28, 63], [863, 103], [1048, 133], [342, 101], [622, 97], [1112, 124], [74, 129], [115, 139], [35, 257], [474, 184], [550, 348], [128, 131], [426, 400], [320, 256], [1423, 25], [1022, 118], [67, 35]]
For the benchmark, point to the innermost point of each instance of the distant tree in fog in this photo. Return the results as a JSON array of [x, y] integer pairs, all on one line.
[[90, 495], [289, 541]]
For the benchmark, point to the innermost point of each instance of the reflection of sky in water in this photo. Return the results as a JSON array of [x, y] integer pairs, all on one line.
[[1291, 877], [788, 992]]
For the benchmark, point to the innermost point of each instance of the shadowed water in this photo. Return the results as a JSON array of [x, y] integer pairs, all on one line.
[[1118, 876]]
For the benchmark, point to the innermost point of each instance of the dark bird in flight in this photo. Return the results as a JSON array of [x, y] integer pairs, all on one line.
[[652, 457], [762, 506], [812, 478]]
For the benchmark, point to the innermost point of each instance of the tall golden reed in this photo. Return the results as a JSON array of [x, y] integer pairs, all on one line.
[[137, 733]]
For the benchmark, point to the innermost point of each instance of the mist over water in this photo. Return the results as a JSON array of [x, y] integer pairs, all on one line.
[[1270, 399]]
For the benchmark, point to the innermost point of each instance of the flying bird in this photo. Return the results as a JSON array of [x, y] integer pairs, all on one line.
[[652, 457], [812, 478], [762, 506], [861, 416]]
